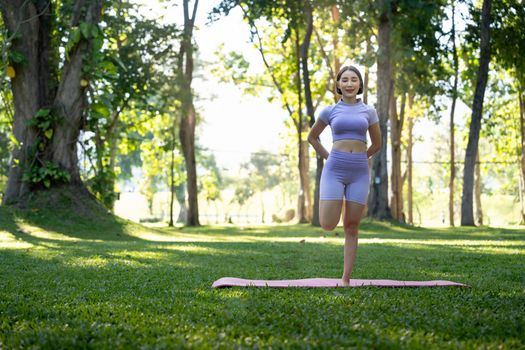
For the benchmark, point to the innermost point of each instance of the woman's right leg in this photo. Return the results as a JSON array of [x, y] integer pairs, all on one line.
[[330, 213], [331, 194]]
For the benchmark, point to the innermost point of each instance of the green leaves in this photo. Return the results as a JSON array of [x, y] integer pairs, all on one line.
[[44, 120], [86, 31], [74, 38], [17, 57], [89, 30], [101, 109], [46, 175]]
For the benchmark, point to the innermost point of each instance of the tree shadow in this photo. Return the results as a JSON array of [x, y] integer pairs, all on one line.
[[169, 283]]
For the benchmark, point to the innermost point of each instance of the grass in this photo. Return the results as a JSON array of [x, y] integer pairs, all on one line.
[[69, 280]]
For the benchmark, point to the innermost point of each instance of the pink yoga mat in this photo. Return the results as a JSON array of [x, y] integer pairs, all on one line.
[[327, 283]]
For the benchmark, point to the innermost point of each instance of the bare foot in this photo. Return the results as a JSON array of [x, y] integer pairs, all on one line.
[[345, 283]]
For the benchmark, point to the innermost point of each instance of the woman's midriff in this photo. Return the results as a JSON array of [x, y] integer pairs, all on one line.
[[353, 146]]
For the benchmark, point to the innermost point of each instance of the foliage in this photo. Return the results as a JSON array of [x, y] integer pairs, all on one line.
[[509, 36], [6, 114], [130, 73], [418, 55], [260, 173], [210, 181], [156, 154], [276, 30], [46, 174], [501, 129], [262, 170], [5, 144], [42, 172], [120, 285]]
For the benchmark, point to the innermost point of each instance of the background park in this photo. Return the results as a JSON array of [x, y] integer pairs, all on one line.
[[149, 148]]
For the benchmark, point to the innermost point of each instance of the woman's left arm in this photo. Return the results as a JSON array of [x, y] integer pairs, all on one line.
[[375, 137]]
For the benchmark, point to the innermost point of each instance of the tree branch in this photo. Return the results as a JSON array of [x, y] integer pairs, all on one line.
[[261, 51]]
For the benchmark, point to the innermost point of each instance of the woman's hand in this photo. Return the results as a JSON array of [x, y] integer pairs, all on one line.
[[375, 137], [313, 138]]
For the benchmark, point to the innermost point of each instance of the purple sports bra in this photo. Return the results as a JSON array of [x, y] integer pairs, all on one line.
[[349, 121]]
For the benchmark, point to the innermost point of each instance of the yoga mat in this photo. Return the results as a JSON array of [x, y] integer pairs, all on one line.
[[327, 283]]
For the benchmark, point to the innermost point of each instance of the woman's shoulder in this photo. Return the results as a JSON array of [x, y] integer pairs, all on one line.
[[326, 112], [369, 107], [372, 114], [329, 107]]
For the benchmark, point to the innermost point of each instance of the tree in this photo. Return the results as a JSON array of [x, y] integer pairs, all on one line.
[[417, 72], [211, 181], [48, 105], [6, 115], [454, 93], [501, 130], [508, 45], [467, 214], [263, 173], [378, 199], [133, 62], [287, 54], [188, 121]]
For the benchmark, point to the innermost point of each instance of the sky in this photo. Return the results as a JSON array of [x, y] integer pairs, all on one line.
[[233, 125]]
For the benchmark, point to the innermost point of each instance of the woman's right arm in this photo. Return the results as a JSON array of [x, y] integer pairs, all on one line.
[[313, 138]]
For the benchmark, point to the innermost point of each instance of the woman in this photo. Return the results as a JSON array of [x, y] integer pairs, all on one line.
[[345, 175]]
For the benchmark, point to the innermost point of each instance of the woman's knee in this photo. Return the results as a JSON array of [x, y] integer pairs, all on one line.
[[351, 226], [328, 226], [330, 214]]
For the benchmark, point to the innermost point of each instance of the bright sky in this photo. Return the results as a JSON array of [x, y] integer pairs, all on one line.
[[235, 125]]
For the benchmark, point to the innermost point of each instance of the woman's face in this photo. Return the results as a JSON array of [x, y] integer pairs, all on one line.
[[349, 83]]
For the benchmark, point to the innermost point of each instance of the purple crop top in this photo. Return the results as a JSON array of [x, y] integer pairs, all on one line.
[[349, 121]]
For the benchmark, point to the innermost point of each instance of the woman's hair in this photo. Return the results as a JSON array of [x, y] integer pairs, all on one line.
[[356, 71]]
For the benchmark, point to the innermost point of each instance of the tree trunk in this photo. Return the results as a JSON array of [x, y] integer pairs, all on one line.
[[28, 95], [113, 148], [303, 200], [36, 87], [187, 137], [477, 192], [367, 72], [180, 192], [262, 207], [378, 198], [189, 120], [467, 214], [522, 133], [452, 125], [396, 127], [410, 145], [366, 80], [172, 175], [109, 197], [305, 46], [336, 17]]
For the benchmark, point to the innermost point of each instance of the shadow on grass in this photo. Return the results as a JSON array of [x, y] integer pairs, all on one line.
[[286, 260], [116, 288], [34, 225], [160, 286], [368, 229]]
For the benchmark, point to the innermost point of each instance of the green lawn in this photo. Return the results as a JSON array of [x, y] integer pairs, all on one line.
[[76, 281]]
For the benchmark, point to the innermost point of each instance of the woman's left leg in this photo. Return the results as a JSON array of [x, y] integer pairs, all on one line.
[[352, 217]]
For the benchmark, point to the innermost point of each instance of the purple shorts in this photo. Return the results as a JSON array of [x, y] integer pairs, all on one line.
[[345, 174]]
